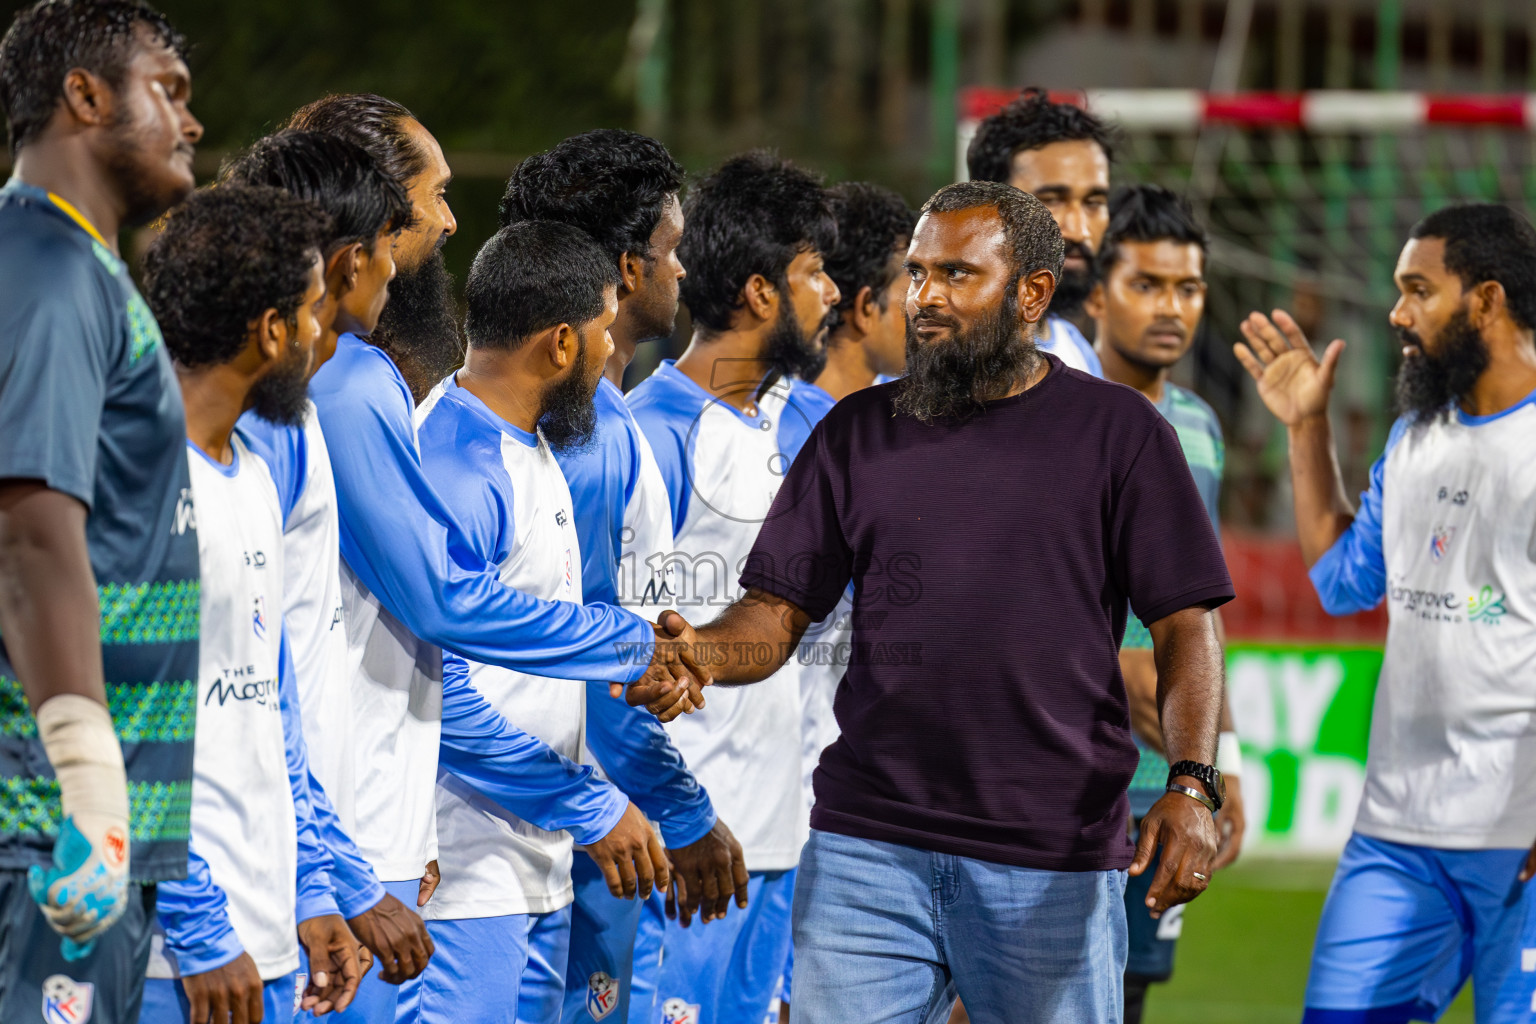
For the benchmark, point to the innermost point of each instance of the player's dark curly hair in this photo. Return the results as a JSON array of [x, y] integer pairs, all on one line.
[[1033, 239], [872, 222], [533, 275], [368, 120], [611, 183], [1488, 242], [1030, 122], [334, 174], [752, 215], [52, 37], [1148, 213], [226, 256]]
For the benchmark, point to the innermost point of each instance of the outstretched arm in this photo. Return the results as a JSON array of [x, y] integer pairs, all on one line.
[[746, 643], [1295, 386]]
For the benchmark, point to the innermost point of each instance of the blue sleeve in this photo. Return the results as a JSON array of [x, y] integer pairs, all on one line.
[[286, 453], [518, 771], [1352, 575], [640, 759], [405, 547], [671, 450], [194, 914], [60, 337], [314, 897]]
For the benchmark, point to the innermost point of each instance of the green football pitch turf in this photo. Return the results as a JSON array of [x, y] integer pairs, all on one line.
[[1245, 948]]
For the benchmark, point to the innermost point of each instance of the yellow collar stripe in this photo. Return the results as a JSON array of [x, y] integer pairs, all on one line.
[[78, 217]]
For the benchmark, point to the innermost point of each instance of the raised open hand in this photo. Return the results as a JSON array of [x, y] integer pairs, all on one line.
[[1293, 383]]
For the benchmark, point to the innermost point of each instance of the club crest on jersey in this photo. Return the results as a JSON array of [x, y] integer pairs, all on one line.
[[602, 994], [67, 1001], [675, 1011], [1440, 541], [567, 568], [259, 617]]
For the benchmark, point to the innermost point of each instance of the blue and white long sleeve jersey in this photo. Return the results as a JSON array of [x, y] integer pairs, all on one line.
[[722, 469], [624, 524], [1061, 338], [826, 646], [411, 584], [315, 626], [312, 610], [508, 495], [243, 813], [1447, 534]]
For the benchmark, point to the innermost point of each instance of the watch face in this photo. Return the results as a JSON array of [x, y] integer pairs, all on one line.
[[1221, 787]]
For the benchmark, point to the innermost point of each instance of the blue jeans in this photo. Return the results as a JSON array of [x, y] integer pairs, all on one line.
[[888, 933]]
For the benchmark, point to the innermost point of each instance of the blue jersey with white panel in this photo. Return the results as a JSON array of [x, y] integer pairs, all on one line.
[[826, 645], [510, 499], [623, 522], [411, 583], [1445, 534], [722, 467]]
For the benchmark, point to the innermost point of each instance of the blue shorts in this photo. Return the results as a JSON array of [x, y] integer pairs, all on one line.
[[727, 971], [377, 1001], [484, 966], [604, 949], [650, 950], [165, 1001], [1404, 927]]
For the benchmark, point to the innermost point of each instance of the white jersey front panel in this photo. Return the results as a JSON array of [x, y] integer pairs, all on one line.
[[242, 803], [317, 634], [647, 572], [397, 707], [494, 863], [745, 745], [1452, 760]]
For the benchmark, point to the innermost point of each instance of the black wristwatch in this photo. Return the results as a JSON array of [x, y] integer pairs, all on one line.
[[1215, 786]]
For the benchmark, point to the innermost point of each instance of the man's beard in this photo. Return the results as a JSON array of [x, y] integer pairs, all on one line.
[[790, 353], [127, 160], [419, 328], [954, 379], [1073, 286], [1429, 383], [569, 419], [282, 396]]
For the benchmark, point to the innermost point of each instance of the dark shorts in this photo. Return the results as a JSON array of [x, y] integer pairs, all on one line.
[[1151, 941], [38, 984]]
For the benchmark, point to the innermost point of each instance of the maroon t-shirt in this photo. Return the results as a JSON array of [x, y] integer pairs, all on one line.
[[982, 712]]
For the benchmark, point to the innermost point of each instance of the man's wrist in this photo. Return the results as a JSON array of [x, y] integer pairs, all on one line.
[[1184, 789]]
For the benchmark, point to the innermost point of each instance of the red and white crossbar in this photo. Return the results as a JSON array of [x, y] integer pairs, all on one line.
[[1323, 110], [1186, 110]]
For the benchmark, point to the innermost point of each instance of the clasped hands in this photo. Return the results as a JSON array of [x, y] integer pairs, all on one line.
[[674, 681]]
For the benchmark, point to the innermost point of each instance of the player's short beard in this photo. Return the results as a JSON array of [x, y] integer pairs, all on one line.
[[282, 396], [419, 328], [955, 378], [790, 352], [1073, 286], [1429, 383], [127, 160], [569, 419]]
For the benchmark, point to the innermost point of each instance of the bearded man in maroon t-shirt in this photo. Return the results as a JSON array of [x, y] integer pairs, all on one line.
[[996, 513]]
